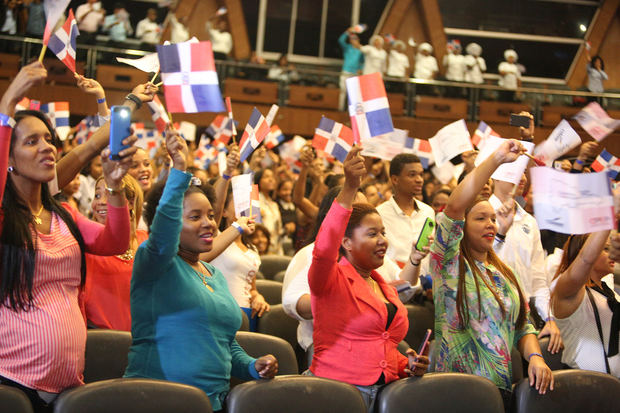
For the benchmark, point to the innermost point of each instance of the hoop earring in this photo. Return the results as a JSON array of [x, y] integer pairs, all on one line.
[[10, 169]]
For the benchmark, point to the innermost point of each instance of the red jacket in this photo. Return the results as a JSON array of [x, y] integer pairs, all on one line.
[[351, 343]]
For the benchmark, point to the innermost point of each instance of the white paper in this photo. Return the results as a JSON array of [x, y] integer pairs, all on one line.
[[447, 172], [242, 191], [188, 130], [290, 151], [594, 120], [450, 141], [572, 203], [562, 140], [385, 146], [221, 162], [148, 63], [508, 172], [272, 114]]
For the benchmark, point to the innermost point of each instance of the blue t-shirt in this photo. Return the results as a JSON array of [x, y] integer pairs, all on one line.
[[353, 57]]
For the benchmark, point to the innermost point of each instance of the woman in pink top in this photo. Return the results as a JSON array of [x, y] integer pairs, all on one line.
[[42, 330], [358, 317]]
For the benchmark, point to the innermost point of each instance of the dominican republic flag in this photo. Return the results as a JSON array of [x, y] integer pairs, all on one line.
[[481, 134], [255, 132], [368, 106], [220, 129], [63, 42], [58, 114], [205, 154], [85, 129], [54, 10], [607, 162], [159, 114], [190, 80], [274, 137], [27, 104], [255, 205], [333, 138], [421, 148]]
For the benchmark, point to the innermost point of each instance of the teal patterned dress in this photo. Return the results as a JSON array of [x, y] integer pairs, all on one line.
[[483, 346]]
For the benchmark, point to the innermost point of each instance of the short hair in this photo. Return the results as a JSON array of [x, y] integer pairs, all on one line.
[[398, 163]]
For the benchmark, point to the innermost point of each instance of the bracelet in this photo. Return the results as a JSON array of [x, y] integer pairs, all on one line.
[[113, 191], [579, 161], [550, 318], [535, 354], [226, 177], [238, 227], [134, 99], [102, 100], [412, 263]]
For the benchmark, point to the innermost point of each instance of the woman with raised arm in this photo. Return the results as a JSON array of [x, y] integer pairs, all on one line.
[[480, 310], [358, 318], [184, 319], [586, 308], [42, 330]]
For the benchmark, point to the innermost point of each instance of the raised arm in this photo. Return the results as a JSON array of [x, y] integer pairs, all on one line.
[[92, 87], [299, 191], [467, 191], [221, 185], [227, 237], [73, 162]]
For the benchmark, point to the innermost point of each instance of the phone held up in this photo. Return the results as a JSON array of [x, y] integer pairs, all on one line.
[[427, 231], [120, 122], [519, 120]]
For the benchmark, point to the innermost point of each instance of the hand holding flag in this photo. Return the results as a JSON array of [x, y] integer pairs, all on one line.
[[53, 12], [63, 42]]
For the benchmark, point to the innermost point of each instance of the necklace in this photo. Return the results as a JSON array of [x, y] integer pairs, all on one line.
[[203, 278], [36, 218], [127, 255]]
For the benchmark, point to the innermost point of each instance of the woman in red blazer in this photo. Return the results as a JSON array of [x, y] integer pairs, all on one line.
[[358, 318]]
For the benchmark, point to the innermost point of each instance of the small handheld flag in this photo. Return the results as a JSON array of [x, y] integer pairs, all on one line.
[[63, 42], [369, 108], [230, 116], [255, 132], [274, 137], [158, 114], [333, 138], [607, 162], [58, 114]]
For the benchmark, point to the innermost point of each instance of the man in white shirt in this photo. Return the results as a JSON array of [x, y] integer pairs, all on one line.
[[221, 40], [89, 17], [518, 245], [403, 216], [510, 75], [425, 64], [147, 30]]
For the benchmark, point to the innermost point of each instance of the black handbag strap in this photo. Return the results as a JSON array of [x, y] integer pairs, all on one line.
[[599, 327]]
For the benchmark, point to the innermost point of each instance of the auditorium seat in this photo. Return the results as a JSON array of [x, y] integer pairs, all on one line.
[[403, 346], [272, 264], [576, 391], [257, 345], [295, 394], [271, 290], [277, 323], [441, 392], [279, 276], [133, 396], [245, 322], [106, 354], [421, 318], [554, 361], [13, 400], [518, 372]]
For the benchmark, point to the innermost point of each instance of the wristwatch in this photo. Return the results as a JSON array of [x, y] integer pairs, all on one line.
[[113, 191]]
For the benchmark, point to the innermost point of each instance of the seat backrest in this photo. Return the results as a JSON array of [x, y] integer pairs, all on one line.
[[133, 396], [277, 323], [518, 372], [554, 361], [574, 391], [271, 290], [270, 265], [257, 345], [279, 276], [295, 394], [13, 400], [421, 318], [245, 322], [441, 392], [106, 354]]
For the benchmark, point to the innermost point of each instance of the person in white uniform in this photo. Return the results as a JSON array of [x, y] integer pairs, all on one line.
[[147, 30], [398, 66], [475, 65], [375, 57], [454, 62], [510, 75], [586, 308], [425, 68]]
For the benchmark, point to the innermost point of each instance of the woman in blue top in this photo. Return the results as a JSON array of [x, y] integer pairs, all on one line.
[[184, 319], [353, 60]]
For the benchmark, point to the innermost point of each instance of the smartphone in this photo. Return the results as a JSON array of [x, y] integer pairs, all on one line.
[[120, 122], [427, 231], [519, 120], [424, 344]]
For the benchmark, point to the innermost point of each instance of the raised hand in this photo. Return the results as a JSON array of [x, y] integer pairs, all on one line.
[[247, 224], [29, 76], [90, 86], [354, 168], [232, 159], [509, 151], [177, 148], [115, 171], [145, 92], [416, 255], [527, 134]]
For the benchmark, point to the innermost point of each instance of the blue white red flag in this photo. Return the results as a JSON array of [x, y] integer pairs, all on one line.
[[158, 114], [333, 138], [481, 134], [255, 205], [85, 129], [369, 108], [274, 137], [54, 10], [63, 42], [421, 148], [58, 114], [255, 132], [189, 77], [221, 129], [205, 154], [607, 162]]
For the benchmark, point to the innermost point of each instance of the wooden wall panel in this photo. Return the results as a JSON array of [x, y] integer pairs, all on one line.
[[238, 29], [610, 52]]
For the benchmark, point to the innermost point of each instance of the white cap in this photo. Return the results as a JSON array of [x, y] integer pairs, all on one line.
[[398, 44], [474, 49], [376, 37], [426, 46], [510, 52]]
